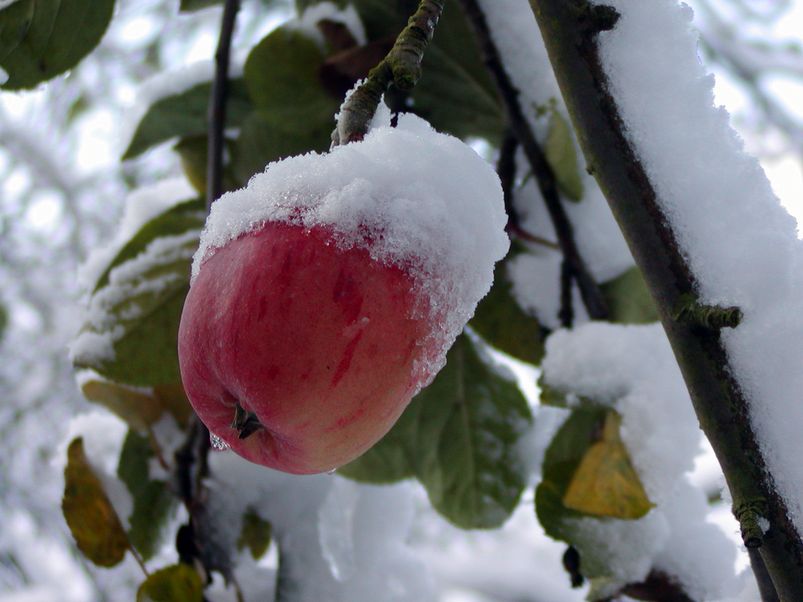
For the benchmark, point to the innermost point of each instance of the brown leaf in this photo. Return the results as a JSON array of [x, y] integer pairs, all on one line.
[[341, 71], [336, 34]]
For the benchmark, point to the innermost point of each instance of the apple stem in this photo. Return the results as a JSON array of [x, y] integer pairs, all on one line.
[[217, 105], [401, 67], [245, 423]]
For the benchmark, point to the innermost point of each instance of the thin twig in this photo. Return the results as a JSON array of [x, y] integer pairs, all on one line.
[[506, 170], [566, 313], [590, 292], [138, 558], [217, 105], [528, 236]]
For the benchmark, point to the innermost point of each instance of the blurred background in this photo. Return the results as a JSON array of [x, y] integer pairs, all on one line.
[[62, 191]]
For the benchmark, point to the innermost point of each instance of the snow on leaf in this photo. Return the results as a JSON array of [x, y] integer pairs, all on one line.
[[185, 114], [131, 328], [629, 300]]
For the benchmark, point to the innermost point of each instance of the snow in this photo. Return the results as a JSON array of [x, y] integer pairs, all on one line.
[[329, 11], [740, 243], [536, 286], [632, 369], [57, 577], [3, 75], [339, 540], [521, 47], [141, 206], [6, 3], [427, 202]]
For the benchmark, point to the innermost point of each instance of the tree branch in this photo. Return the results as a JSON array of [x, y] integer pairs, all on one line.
[[217, 105], [589, 290], [401, 66], [570, 28]]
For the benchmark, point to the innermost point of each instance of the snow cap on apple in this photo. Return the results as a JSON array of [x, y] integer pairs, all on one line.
[[327, 292]]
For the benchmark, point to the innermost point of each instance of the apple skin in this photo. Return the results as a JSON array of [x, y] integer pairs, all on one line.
[[325, 345]]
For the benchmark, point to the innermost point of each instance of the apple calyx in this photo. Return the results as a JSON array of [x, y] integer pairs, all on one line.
[[245, 423]]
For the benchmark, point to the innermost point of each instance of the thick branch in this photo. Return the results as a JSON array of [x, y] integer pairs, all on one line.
[[217, 105], [570, 29], [589, 290]]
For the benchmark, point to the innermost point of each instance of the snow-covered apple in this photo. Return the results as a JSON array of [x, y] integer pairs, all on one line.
[[326, 293]]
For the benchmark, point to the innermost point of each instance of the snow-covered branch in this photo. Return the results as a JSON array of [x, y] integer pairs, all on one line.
[[668, 161]]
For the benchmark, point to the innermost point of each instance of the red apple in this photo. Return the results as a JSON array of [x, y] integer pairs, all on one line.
[[301, 354]]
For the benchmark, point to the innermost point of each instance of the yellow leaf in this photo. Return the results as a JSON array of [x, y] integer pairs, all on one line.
[[176, 583], [89, 514], [138, 407], [605, 482]]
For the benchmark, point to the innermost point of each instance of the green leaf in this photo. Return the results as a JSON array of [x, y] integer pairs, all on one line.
[[3, 320], [255, 534], [90, 515], [137, 406], [186, 6], [41, 39], [504, 325], [137, 304], [459, 436], [185, 114], [176, 583], [281, 74], [470, 421], [390, 459], [293, 112], [153, 500], [193, 152], [562, 156], [629, 300], [262, 141], [455, 93]]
